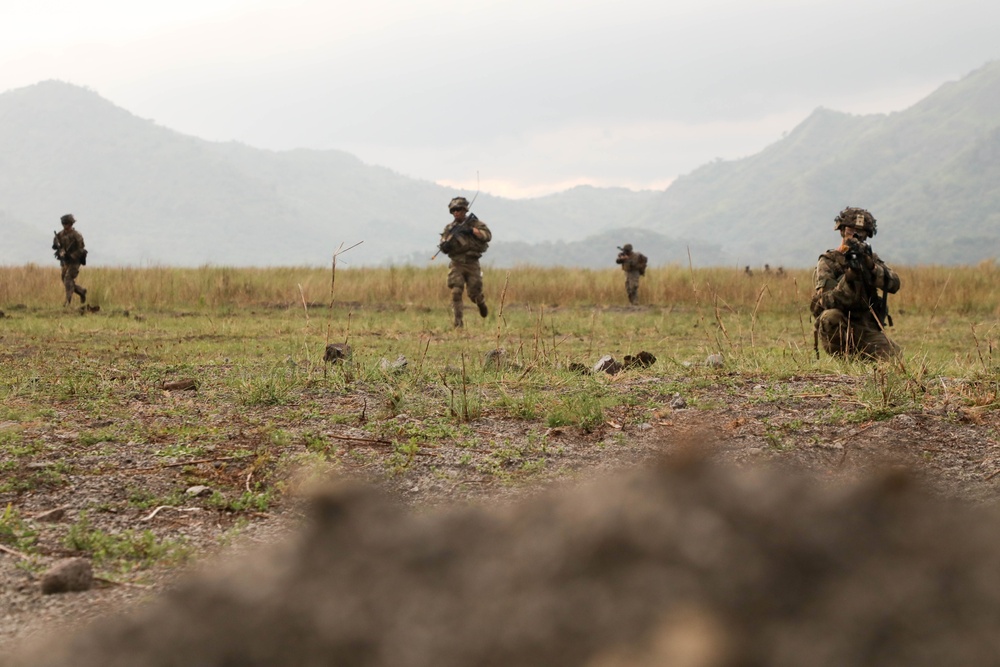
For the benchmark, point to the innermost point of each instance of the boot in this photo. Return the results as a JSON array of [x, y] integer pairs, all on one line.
[[483, 310], [82, 291]]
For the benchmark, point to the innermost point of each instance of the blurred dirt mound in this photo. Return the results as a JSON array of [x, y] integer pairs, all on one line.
[[687, 564]]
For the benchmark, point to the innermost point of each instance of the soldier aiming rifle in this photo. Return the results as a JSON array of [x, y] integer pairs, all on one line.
[[634, 266], [851, 316]]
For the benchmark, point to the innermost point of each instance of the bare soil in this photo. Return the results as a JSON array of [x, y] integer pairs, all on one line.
[[516, 544]]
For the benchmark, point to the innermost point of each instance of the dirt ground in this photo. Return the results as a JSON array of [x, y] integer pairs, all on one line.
[[786, 521]]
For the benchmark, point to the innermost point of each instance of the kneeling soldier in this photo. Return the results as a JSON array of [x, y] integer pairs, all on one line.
[[850, 314]]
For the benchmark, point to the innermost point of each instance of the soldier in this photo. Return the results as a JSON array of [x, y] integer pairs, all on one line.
[[71, 253], [464, 240], [850, 315], [634, 266]]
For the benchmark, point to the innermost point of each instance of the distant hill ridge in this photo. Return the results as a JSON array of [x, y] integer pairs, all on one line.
[[145, 194], [930, 174]]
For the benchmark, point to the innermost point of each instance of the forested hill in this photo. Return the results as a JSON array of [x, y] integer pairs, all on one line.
[[145, 194], [929, 174]]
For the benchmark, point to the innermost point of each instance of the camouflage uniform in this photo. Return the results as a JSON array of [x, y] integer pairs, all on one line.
[[842, 303], [464, 249], [634, 266], [72, 254]]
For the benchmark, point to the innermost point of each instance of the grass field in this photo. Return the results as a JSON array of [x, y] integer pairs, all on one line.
[[86, 421], [946, 316]]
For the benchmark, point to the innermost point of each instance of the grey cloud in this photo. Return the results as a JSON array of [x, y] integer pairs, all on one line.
[[434, 86]]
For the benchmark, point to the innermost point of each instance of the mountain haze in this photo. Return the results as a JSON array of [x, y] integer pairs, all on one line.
[[144, 194], [929, 174]]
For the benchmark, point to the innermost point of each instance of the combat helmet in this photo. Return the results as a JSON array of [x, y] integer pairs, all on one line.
[[67, 219], [853, 216], [627, 248], [458, 203]]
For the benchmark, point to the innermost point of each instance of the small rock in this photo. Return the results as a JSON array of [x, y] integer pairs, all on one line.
[[678, 402], [187, 384], [40, 465], [578, 368], [337, 352], [714, 361], [607, 364], [758, 387], [68, 575], [641, 360], [686, 364], [198, 491], [495, 358], [51, 516], [394, 366], [645, 426]]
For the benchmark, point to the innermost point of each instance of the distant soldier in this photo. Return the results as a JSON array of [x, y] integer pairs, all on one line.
[[850, 314], [71, 253], [464, 240], [634, 266]]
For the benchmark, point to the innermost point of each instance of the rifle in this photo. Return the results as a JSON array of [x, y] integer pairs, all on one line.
[[464, 228], [857, 254], [441, 245], [57, 246]]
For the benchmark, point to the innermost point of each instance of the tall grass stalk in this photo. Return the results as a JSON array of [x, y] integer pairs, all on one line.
[[926, 290]]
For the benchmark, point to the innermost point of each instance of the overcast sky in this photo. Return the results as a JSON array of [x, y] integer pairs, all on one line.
[[534, 96]]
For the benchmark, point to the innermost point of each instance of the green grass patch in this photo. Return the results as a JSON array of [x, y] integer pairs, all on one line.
[[125, 551]]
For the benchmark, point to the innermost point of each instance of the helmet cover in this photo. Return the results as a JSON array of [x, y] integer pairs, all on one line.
[[858, 218]]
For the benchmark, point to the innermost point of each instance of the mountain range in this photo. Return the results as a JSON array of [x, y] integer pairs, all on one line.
[[146, 195], [930, 174]]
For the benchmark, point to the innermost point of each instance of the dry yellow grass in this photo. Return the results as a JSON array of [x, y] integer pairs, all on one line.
[[928, 290]]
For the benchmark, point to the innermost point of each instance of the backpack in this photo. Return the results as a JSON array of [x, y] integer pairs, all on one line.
[[640, 263]]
